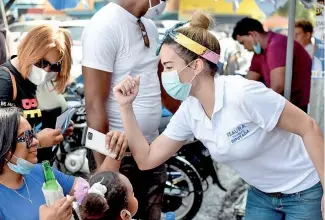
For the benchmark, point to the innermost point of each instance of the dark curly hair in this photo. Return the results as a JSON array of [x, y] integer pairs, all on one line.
[[246, 25], [96, 207], [9, 123]]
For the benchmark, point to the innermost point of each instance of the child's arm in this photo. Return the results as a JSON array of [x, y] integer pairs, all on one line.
[[117, 141], [109, 164]]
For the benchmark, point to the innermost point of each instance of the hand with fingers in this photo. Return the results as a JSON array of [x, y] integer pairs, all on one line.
[[117, 143], [127, 90], [62, 209], [49, 137], [69, 130]]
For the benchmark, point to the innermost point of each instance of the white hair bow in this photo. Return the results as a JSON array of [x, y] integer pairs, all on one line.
[[98, 188]]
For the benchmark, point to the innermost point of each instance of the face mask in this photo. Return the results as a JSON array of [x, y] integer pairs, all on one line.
[[39, 76], [23, 167], [257, 47], [155, 11], [174, 87]]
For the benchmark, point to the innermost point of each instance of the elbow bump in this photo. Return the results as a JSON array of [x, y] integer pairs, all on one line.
[[315, 126], [312, 126]]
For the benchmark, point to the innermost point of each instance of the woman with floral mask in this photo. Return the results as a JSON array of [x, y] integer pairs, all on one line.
[[21, 179], [248, 127], [44, 56]]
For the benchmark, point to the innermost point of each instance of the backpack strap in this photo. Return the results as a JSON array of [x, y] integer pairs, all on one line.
[[13, 80]]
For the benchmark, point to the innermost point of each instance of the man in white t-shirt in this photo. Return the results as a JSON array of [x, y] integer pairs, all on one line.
[[303, 35], [119, 41]]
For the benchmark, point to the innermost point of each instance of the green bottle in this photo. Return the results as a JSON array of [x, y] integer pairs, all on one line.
[[52, 190], [50, 181]]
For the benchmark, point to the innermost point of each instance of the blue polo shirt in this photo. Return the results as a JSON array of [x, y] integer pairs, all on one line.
[[14, 207]]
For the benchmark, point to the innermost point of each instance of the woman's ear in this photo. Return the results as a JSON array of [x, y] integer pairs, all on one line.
[[125, 215], [9, 155], [198, 66]]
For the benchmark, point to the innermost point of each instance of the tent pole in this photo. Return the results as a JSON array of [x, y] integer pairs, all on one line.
[[290, 44]]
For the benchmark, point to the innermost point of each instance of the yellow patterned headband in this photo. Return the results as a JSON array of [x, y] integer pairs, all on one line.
[[189, 44]]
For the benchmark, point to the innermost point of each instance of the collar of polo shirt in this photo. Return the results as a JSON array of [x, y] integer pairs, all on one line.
[[198, 111]]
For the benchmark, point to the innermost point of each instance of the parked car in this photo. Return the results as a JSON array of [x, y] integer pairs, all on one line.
[[76, 28], [19, 29]]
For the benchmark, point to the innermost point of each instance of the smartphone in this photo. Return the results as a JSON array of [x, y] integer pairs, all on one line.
[[96, 141], [63, 121]]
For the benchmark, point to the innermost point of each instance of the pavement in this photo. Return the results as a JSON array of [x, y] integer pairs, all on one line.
[[214, 197]]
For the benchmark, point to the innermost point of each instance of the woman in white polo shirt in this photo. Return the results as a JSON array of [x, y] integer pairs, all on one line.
[[273, 145]]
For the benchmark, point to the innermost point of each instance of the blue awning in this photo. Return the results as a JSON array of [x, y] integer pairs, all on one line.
[[270, 6], [64, 4]]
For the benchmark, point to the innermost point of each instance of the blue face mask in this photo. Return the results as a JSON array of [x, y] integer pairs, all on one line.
[[23, 167], [174, 87], [257, 47]]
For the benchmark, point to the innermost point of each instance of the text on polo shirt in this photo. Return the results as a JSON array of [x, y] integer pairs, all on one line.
[[237, 134]]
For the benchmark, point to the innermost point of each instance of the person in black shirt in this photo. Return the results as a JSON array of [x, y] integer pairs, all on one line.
[[43, 56]]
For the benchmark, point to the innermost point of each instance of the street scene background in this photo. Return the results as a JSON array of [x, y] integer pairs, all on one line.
[[22, 15]]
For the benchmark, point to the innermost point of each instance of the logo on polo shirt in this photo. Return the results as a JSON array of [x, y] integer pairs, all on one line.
[[238, 134]]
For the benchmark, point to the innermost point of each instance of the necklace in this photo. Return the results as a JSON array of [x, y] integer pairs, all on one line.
[[28, 199]]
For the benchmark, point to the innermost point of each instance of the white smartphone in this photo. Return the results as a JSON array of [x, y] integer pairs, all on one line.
[[96, 141]]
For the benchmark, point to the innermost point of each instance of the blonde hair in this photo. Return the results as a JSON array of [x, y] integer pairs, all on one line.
[[198, 31], [38, 42]]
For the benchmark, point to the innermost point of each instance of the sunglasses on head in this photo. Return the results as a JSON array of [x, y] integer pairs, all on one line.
[[56, 67], [27, 137]]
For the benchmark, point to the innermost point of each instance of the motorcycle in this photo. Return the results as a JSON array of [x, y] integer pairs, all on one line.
[[234, 204], [188, 170]]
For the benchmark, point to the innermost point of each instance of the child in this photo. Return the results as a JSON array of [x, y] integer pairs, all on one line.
[[109, 197]]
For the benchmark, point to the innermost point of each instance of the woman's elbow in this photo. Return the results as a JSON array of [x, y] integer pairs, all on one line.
[[311, 128], [146, 166], [143, 168]]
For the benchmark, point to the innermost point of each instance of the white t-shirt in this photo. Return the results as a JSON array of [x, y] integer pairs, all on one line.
[[310, 49], [113, 42], [242, 135]]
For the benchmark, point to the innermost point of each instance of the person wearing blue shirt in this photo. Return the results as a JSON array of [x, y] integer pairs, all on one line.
[[21, 179]]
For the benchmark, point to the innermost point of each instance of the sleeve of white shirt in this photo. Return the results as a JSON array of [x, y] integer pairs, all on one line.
[[99, 48], [178, 128], [261, 105]]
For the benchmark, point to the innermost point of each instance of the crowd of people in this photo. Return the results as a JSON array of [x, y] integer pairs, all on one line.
[[128, 75]]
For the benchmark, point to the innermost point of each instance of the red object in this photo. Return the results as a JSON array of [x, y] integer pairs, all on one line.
[[35, 11], [274, 55], [275, 22]]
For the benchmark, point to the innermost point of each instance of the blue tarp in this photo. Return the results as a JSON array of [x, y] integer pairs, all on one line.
[[270, 6], [64, 4], [318, 62]]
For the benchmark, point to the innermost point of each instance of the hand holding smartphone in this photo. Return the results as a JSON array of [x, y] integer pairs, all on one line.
[[97, 141]]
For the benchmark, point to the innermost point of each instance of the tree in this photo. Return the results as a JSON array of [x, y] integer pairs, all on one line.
[[301, 11]]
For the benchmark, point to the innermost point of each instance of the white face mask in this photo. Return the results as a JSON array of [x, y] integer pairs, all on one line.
[[39, 76], [155, 11]]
